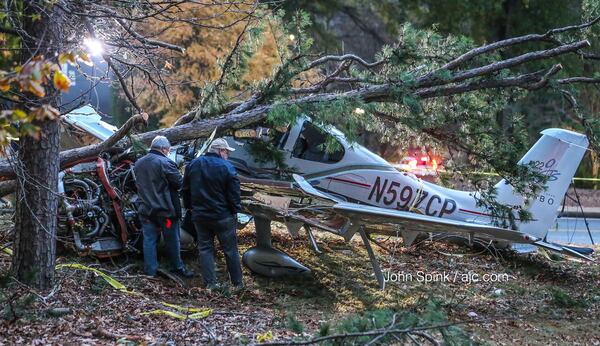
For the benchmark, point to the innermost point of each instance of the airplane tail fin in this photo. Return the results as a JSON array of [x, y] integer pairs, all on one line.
[[557, 154]]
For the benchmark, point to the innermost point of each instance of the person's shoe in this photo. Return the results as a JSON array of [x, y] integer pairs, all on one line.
[[186, 273], [238, 289]]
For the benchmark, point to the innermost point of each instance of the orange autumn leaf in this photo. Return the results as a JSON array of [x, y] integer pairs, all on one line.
[[61, 82], [4, 85]]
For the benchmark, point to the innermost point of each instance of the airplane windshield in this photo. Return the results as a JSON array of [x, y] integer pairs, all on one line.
[[311, 145]]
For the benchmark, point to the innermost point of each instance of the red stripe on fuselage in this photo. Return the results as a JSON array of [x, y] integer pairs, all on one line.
[[474, 212], [349, 182]]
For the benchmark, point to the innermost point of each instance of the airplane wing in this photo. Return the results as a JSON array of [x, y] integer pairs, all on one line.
[[365, 215], [424, 223]]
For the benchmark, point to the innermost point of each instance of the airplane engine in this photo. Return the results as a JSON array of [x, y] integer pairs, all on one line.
[[98, 208]]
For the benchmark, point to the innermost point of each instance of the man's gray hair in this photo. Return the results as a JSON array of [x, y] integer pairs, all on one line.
[[160, 142]]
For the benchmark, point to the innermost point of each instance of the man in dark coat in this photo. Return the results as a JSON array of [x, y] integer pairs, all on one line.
[[158, 183], [211, 190]]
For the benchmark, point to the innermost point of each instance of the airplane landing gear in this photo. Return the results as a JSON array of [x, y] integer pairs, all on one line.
[[264, 259]]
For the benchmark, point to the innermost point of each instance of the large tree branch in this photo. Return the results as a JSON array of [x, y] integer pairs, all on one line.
[[512, 42], [69, 156], [123, 131], [527, 81], [430, 80]]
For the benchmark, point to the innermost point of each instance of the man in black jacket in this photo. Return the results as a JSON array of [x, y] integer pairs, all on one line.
[[211, 189], [158, 182]]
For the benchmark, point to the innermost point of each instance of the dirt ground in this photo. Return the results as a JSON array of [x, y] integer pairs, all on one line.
[[516, 300]]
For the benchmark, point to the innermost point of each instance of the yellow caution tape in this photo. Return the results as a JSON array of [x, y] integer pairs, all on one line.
[[544, 253], [164, 312], [196, 313], [268, 336], [7, 250], [586, 179], [194, 316], [114, 283], [199, 315], [182, 308]]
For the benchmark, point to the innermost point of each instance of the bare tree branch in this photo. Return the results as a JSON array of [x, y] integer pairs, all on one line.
[[112, 66], [545, 79], [123, 131], [572, 80], [331, 78], [148, 41]]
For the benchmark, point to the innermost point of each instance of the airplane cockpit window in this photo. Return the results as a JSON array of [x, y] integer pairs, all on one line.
[[311, 145]]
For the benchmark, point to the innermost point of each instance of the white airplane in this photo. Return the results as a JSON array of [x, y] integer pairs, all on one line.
[[352, 190]]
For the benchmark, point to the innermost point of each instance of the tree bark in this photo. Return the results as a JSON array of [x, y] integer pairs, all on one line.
[[36, 209], [37, 165]]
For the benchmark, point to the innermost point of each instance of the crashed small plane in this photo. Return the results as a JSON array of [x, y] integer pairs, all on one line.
[[345, 191]]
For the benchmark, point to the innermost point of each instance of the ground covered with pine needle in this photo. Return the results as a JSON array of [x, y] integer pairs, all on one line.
[[487, 299]]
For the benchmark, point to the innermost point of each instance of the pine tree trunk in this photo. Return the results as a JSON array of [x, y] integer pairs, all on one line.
[[37, 203], [38, 165]]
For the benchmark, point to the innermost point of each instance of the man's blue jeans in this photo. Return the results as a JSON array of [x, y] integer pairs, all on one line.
[[152, 232], [225, 231]]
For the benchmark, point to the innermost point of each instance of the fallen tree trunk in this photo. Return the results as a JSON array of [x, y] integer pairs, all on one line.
[[175, 134]]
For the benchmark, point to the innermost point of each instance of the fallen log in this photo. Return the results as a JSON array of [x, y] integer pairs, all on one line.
[[175, 134]]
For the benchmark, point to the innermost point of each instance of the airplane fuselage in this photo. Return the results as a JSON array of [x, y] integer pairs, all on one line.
[[353, 173]]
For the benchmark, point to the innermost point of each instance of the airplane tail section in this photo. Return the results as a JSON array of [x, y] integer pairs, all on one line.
[[556, 154]]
